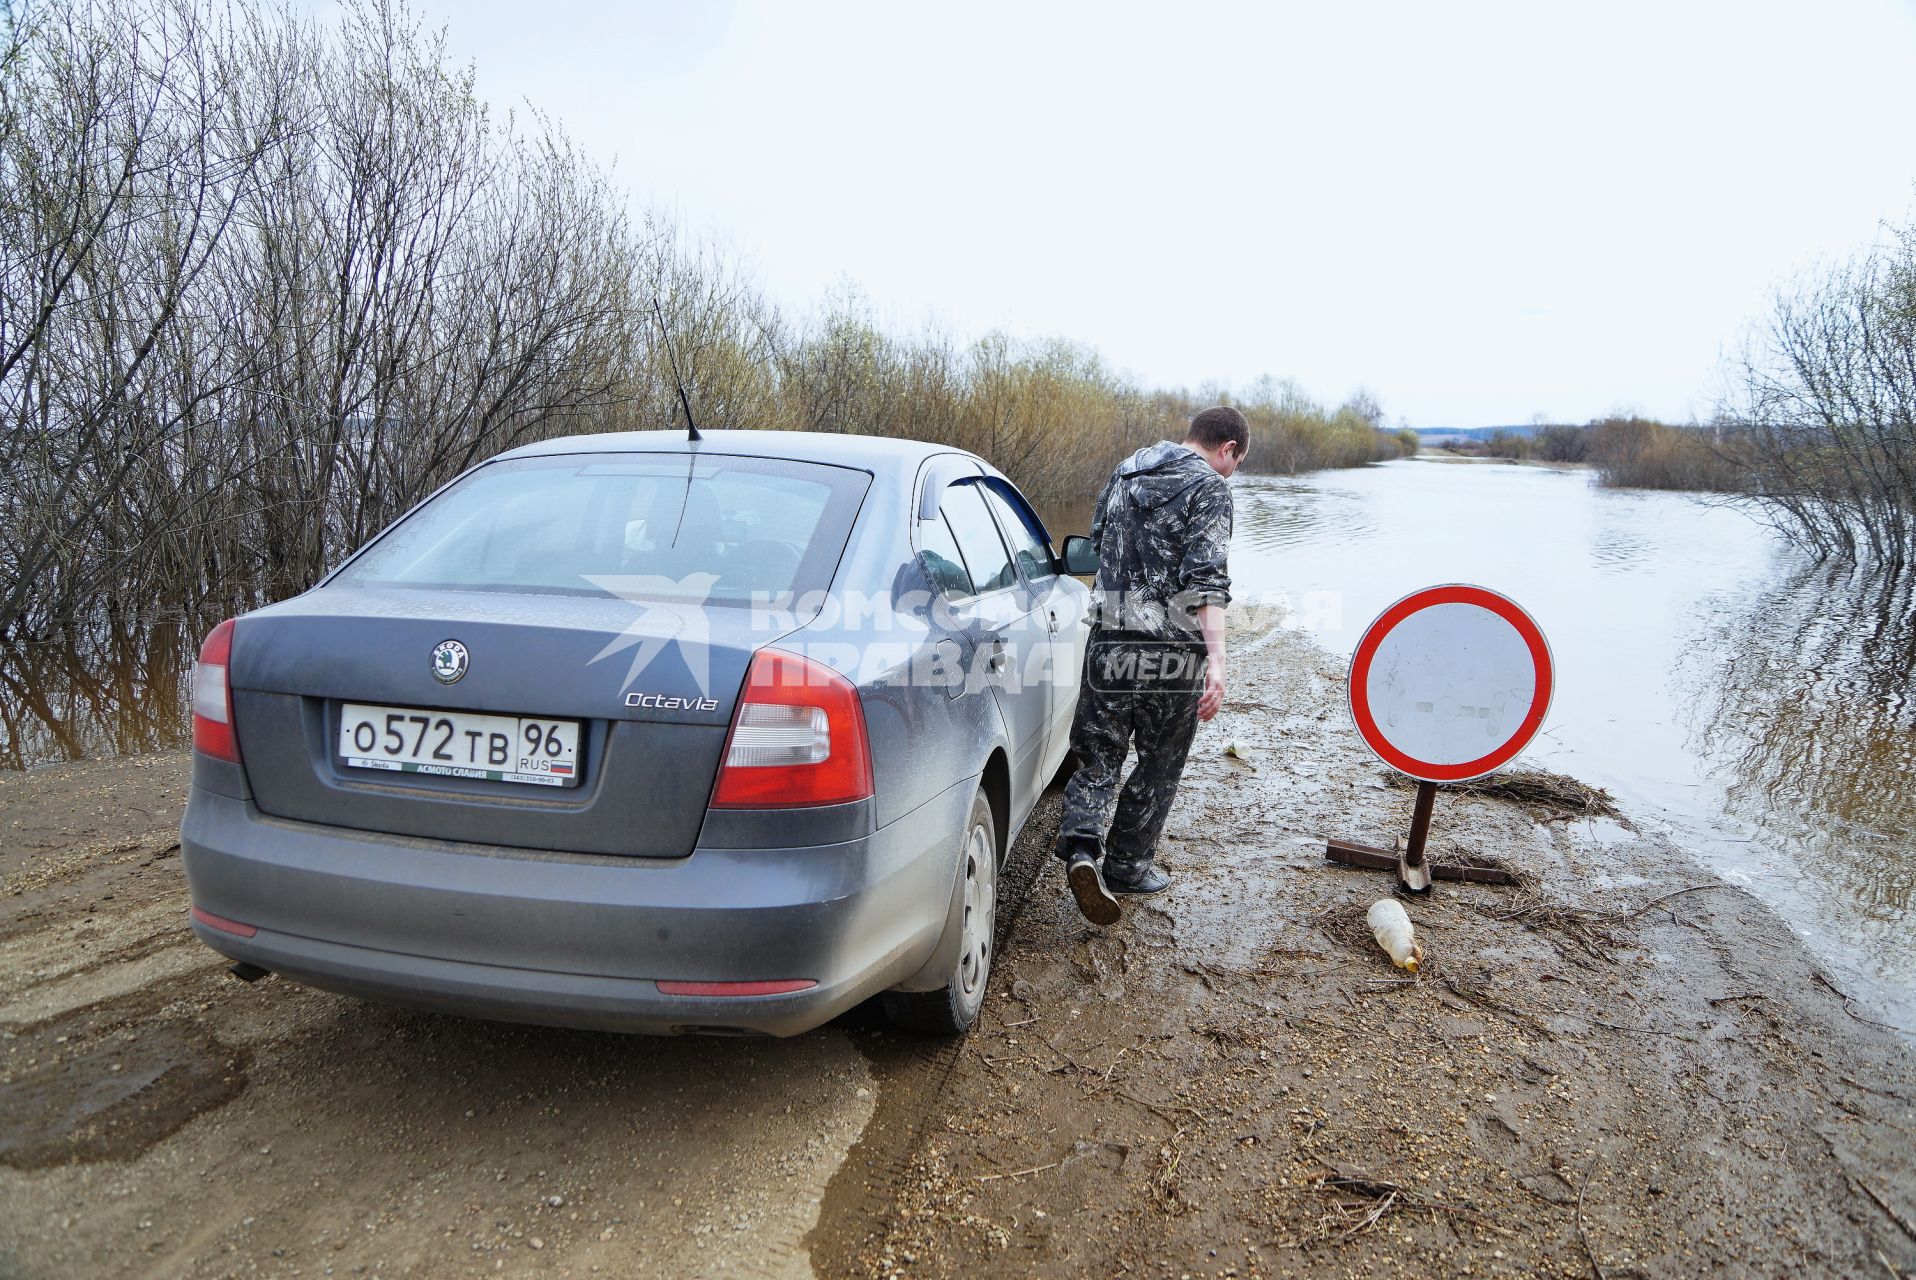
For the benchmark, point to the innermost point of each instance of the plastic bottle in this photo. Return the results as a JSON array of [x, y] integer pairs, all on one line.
[[1391, 927]]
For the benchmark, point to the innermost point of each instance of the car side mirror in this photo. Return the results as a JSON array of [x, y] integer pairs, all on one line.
[[1080, 556]]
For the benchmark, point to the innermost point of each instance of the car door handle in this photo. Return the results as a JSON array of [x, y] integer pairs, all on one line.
[[1053, 615], [995, 656]]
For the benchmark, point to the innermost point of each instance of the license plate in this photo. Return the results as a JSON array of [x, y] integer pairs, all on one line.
[[459, 744]]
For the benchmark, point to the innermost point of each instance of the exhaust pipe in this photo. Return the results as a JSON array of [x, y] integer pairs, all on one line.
[[249, 972]]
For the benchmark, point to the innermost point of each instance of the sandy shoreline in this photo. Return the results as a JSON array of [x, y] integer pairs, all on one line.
[[1625, 1069]]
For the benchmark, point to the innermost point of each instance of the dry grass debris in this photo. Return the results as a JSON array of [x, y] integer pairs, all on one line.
[[1558, 795]]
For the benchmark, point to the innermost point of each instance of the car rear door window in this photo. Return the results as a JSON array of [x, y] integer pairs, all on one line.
[[1032, 551], [977, 534], [944, 563]]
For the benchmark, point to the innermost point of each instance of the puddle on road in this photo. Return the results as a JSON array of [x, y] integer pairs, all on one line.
[[101, 1096]]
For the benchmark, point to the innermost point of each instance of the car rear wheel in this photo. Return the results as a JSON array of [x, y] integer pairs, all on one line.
[[952, 1008]]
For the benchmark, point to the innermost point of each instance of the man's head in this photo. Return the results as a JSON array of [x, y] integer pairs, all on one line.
[[1220, 436]]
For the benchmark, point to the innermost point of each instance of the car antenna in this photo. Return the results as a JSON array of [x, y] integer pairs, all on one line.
[[691, 427]]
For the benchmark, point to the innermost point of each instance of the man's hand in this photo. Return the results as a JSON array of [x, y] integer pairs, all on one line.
[[1213, 696], [1211, 621]]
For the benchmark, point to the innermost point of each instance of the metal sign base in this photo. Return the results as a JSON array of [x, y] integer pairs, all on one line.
[[1406, 858]]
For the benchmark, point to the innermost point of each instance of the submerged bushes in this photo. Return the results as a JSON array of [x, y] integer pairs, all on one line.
[[1050, 414], [259, 291], [1291, 433], [1825, 407], [1630, 453], [1636, 453], [263, 286]]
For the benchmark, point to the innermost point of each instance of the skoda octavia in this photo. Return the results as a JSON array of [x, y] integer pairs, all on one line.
[[645, 732]]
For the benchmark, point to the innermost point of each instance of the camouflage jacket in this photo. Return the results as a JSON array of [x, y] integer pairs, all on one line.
[[1163, 532]]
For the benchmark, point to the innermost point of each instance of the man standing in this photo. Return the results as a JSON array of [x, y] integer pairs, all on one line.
[[1155, 664]]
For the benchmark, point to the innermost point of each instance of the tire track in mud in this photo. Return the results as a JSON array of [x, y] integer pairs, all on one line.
[[113, 976], [173, 932], [912, 1073]]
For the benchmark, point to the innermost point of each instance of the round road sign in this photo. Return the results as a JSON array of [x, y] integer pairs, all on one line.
[[1450, 683]]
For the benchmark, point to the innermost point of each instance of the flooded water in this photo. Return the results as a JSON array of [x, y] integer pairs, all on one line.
[[1755, 706], [1720, 685], [107, 690]]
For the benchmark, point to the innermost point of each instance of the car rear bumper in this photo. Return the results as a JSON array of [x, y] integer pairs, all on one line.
[[579, 940]]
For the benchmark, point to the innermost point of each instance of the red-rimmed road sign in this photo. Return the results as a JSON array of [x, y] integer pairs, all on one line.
[[1451, 682]]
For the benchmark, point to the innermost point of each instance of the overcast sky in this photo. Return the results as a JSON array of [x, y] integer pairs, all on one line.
[[1479, 211]]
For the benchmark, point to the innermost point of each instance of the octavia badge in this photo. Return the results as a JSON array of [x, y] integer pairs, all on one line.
[[448, 661]]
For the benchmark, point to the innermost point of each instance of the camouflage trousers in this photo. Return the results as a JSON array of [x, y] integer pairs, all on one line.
[[1140, 692]]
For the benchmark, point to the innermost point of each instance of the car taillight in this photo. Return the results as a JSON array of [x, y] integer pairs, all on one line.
[[213, 697], [798, 738]]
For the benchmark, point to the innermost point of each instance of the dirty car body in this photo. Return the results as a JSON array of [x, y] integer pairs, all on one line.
[[638, 733]]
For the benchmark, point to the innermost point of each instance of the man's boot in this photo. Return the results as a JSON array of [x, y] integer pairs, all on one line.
[[1134, 877], [1087, 886]]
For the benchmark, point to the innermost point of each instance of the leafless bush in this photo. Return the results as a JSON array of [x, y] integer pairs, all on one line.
[[123, 174], [1637, 453], [1825, 405], [263, 289], [1290, 432]]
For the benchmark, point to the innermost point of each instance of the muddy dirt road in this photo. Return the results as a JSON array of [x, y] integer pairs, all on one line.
[[162, 1118], [1621, 1068]]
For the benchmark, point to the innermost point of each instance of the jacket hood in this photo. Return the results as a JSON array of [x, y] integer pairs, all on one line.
[[1156, 474]]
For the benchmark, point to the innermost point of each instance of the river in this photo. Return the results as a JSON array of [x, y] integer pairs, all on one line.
[[1722, 687]]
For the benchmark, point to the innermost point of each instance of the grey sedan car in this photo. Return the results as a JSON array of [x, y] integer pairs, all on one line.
[[643, 733]]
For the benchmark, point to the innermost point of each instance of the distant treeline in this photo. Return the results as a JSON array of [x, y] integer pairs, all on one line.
[[264, 284], [1627, 452]]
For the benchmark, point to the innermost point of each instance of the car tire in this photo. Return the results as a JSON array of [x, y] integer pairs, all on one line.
[[952, 1008]]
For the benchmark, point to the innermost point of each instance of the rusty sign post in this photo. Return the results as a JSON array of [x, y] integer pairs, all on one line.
[[1449, 683]]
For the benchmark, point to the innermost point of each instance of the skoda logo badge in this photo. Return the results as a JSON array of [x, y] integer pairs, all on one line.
[[448, 661]]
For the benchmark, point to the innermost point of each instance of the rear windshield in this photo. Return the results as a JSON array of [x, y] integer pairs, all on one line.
[[662, 526]]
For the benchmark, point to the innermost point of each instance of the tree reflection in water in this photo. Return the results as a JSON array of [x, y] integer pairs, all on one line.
[[1802, 705], [109, 689]]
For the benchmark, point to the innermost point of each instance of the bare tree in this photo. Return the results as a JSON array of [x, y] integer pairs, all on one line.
[[1824, 420], [261, 289], [122, 178]]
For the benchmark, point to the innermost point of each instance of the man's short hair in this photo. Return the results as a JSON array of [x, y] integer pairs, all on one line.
[[1222, 425]]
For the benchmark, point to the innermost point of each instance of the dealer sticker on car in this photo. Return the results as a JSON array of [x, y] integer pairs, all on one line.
[[458, 744]]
